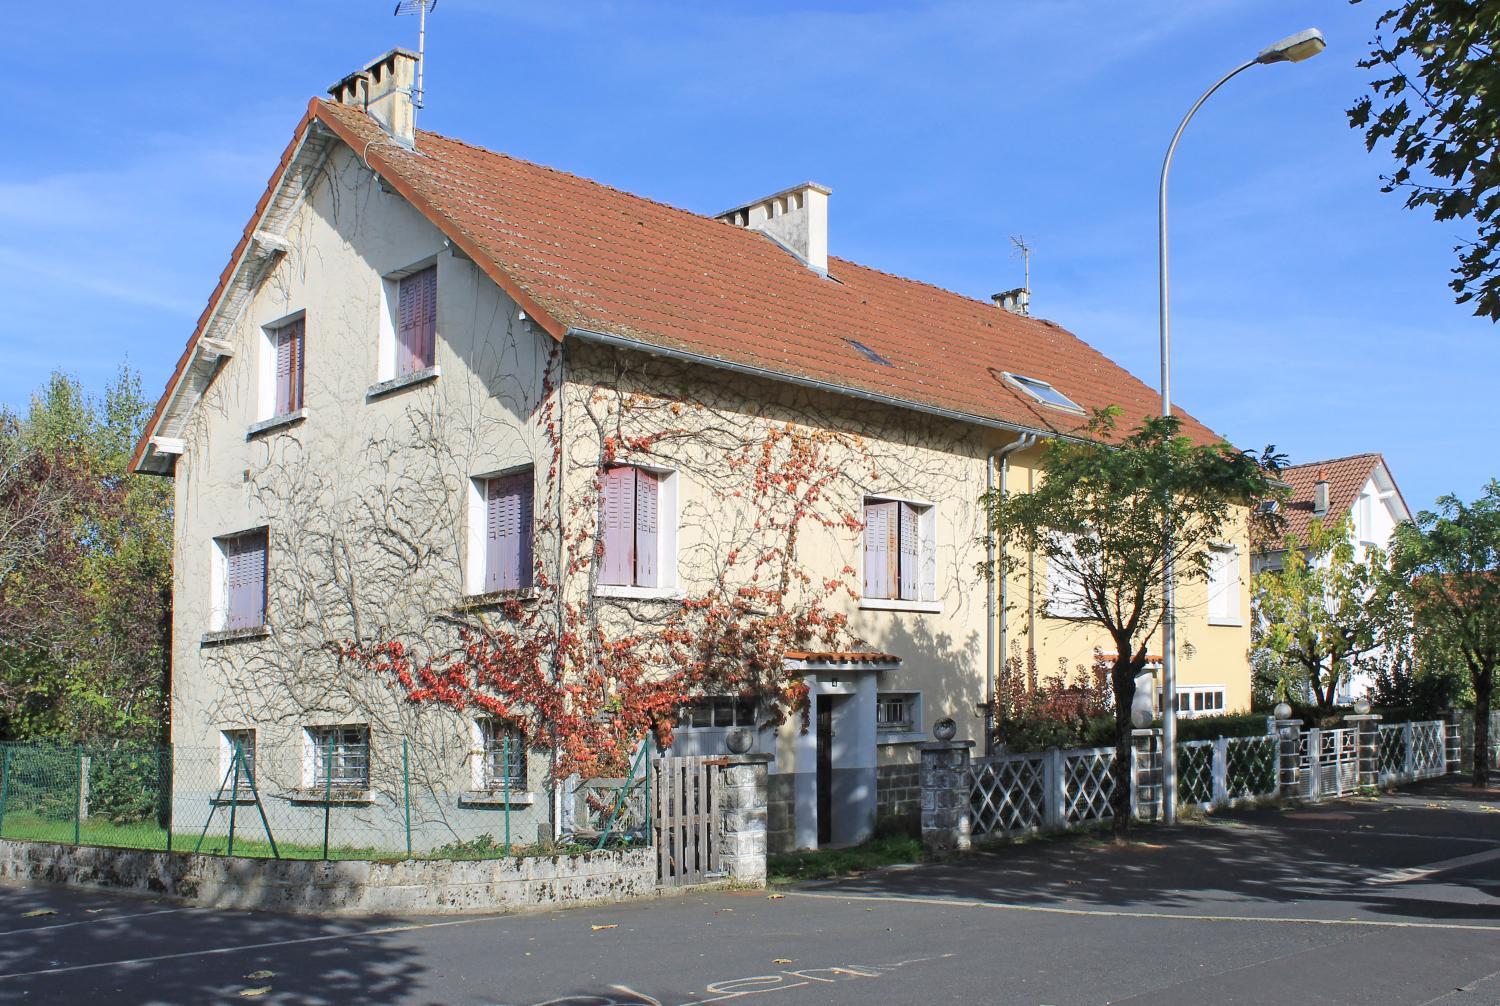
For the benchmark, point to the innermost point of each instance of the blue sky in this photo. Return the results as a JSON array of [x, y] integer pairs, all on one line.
[[1310, 309]]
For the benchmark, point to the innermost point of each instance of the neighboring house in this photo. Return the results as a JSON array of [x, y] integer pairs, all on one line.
[[1359, 489], [362, 430]]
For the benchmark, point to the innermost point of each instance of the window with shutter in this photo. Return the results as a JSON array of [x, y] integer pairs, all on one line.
[[881, 555], [245, 580], [617, 527], [647, 528], [288, 341], [416, 321], [910, 551], [900, 553], [1065, 597], [508, 532], [1224, 587], [635, 512]]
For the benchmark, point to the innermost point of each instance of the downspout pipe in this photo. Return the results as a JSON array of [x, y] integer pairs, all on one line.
[[994, 637]]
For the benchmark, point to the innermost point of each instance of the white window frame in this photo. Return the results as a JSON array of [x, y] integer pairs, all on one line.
[[893, 735], [311, 750], [478, 539], [1029, 385], [226, 755], [927, 600], [390, 291], [265, 381], [1225, 556], [736, 704], [1190, 694], [1073, 608], [667, 517]]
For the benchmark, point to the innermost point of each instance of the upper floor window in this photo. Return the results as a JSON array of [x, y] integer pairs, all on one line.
[[637, 528], [287, 344], [416, 321], [1224, 586], [241, 563], [505, 554], [900, 551], [1065, 583]]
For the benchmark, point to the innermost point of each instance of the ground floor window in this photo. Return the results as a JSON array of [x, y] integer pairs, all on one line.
[[340, 756], [718, 711], [245, 740], [896, 712], [1200, 700], [503, 755]]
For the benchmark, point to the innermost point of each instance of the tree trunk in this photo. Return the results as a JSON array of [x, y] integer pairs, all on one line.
[[1484, 684], [1122, 682]]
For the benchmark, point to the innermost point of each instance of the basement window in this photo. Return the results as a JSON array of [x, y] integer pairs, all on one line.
[[869, 353], [1044, 392]]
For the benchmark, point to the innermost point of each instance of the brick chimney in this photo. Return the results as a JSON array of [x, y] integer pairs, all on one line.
[[383, 91], [1320, 494], [797, 218]]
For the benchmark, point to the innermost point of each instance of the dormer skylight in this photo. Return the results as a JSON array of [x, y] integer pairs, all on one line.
[[1044, 393]]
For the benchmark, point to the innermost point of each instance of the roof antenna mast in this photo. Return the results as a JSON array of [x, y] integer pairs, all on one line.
[[1017, 301], [419, 8], [1022, 249]]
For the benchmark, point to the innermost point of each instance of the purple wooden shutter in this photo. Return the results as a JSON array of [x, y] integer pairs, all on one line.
[[647, 528], [617, 526], [911, 558], [508, 532], [416, 321], [245, 580], [880, 527]]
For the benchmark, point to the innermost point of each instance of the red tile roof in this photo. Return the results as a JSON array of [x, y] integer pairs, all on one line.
[[576, 254], [1346, 476], [842, 657]]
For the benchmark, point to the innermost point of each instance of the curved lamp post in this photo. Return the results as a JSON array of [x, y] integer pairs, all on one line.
[[1292, 49]]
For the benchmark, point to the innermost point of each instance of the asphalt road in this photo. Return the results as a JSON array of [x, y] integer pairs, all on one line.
[[1388, 901]]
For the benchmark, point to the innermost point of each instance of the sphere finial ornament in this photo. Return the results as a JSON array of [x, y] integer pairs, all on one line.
[[945, 729], [1141, 717], [1283, 711], [739, 740], [1362, 706]]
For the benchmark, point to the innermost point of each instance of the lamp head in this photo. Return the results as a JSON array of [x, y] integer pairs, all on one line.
[[1294, 48]]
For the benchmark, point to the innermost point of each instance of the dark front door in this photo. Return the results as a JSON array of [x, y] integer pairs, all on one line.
[[825, 770]]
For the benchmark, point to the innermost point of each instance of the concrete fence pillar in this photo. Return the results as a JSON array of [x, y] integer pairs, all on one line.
[[1367, 747], [1288, 734], [1221, 772], [1453, 740], [1145, 796], [743, 784], [946, 818]]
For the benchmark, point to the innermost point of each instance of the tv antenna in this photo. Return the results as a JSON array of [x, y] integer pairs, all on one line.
[[419, 8], [1024, 250]]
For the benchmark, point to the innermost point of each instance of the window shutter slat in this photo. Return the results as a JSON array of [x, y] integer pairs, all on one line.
[[927, 522], [245, 581], [909, 540], [880, 523], [647, 529], [416, 320], [617, 526]]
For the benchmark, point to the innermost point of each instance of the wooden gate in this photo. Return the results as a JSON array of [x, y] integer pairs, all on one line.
[[685, 819]]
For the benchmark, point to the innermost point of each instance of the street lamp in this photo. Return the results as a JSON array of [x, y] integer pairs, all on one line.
[[1292, 49]]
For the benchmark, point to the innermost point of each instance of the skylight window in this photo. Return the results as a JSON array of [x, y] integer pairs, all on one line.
[[1044, 393], [869, 353]]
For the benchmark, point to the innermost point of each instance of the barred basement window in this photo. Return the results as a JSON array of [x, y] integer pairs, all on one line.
[[504, 759], [340, 756], [246, 741], [896, 712]]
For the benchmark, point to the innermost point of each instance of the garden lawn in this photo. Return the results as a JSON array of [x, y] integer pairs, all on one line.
[[888, 850]]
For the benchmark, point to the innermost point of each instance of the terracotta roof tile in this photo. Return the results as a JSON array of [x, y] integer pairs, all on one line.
[[842, 657], [1346, 476], [592, 257]]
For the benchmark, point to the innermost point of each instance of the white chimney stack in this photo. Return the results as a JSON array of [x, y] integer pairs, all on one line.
[[796, 218], [383, 91]]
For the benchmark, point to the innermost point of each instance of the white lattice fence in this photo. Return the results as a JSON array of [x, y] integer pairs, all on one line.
[[1195, 773], [1252, 767], [1007, 794], [1427, 750], [1088, 784]]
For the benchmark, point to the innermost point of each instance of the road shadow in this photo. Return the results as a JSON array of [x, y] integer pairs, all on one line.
[[1332, 860]]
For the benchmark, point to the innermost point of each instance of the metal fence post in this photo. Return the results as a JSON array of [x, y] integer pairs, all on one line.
[[1315, 764], [166, 794], [234, 796], [1408, 760], [327, 795], [505, 782], [406, 793], [1055, 792], [78, 802], [4, 784]]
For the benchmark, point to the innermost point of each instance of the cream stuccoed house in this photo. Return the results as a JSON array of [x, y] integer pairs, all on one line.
[[362, 432]]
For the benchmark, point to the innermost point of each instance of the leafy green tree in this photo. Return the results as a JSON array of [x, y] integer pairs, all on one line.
[[1447, 563], [1436, 100], [85, 568], [1099, 513], [1318, 614]]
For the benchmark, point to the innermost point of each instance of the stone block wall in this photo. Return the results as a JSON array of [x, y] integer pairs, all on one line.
[[898, 797], [426, 887], [781, 812]]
